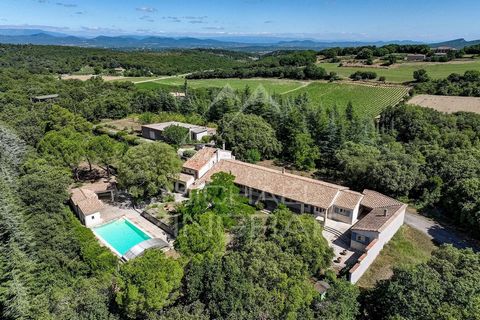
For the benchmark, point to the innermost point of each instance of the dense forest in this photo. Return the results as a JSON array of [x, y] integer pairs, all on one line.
[[64, 60], [53, 268]]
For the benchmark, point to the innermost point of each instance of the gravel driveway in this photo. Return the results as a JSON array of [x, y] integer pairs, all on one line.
[[439, 233]]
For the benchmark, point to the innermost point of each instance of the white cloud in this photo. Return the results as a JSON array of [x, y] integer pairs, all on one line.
[[66, 5], [146, 9]]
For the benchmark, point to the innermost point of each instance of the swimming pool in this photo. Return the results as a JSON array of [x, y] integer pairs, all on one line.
[[121, 235]]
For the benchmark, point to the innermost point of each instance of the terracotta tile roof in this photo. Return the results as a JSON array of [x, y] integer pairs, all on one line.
[[183, 177], [80, 194], [348, 199], [86, 200], [164, 125], [199, 159], [310, 191], [379, 218], [373, 199]]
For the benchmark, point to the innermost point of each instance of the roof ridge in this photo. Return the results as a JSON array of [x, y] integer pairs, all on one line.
[[352, 191], [296, 176]]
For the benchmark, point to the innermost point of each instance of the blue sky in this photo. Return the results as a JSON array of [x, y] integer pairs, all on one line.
[[318, 19]]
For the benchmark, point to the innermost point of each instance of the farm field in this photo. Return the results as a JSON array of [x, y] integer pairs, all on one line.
[[448, 104], [404, 72], [368, 100], [279, 86]]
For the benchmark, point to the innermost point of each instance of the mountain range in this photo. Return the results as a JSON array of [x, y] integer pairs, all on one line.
[[41, 37]]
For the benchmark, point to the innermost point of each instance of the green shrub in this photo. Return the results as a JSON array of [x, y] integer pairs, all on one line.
[[189, 153]]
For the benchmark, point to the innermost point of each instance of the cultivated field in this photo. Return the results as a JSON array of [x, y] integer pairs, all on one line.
[[447, 104], [366, 99], [403, 72], [279, 86]]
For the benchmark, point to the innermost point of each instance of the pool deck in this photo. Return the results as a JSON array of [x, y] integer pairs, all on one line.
[[110, 213]]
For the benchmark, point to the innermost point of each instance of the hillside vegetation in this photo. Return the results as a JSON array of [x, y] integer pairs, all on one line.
[[64, 60], [404, 72]]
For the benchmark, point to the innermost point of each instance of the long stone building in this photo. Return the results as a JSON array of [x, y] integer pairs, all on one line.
[[374, 218]]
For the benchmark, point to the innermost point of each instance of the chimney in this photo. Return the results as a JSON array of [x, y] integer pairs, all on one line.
[[223, 146], [384, 212]]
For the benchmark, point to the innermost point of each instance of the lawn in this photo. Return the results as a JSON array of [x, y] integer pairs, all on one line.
[[279, 86], [404, 72], [409, 247], [367, 100]]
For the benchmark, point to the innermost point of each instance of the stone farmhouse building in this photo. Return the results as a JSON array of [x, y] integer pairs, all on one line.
[[155, 131], [87, 206], [374, 218]]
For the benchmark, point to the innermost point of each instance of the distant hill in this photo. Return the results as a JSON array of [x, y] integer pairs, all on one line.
[[29, 32], [457, 43], [41, 37]]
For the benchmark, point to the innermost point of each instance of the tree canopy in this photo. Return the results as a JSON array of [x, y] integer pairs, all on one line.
[[244, 132], [148, 283], [148, 168], [446, 287]]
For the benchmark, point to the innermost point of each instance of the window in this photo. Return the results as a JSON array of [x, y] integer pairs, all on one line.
[[360, 238], [343, 212], [93, 217]]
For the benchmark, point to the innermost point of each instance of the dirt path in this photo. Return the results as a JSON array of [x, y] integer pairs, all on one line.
[[162, 78], [298, 88]]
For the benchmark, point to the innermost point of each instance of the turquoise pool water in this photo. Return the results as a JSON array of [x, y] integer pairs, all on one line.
[[121, 235]]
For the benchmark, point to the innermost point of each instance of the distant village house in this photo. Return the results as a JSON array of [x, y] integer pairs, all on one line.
[[416, 57], [444, 50]]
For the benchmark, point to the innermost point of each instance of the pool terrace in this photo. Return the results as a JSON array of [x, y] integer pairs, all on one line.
[[113, 214]]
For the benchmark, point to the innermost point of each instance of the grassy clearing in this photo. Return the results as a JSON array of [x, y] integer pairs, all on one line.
[[367, 100], [404, 72], [271, 85], [409, 247]]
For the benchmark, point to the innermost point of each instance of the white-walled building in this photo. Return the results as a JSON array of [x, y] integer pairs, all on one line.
[[87, 206], [374, 218], [155, 131], [198, 165]]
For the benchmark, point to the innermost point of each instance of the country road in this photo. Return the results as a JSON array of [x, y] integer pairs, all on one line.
[[439, 233]]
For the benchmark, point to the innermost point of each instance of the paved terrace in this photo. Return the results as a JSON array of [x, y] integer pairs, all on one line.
[[338, 236], [110, 213]]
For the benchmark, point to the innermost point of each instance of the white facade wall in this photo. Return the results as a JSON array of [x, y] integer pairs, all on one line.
[[374, 248], [199, 136], [393, 227], [91, 219], [219, 155], [355, 213], [183, 186], [372, 235], [365, 261], [209, 165], [350, 219]]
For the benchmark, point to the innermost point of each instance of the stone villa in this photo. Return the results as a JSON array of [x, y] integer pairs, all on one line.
[[372, 218]]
